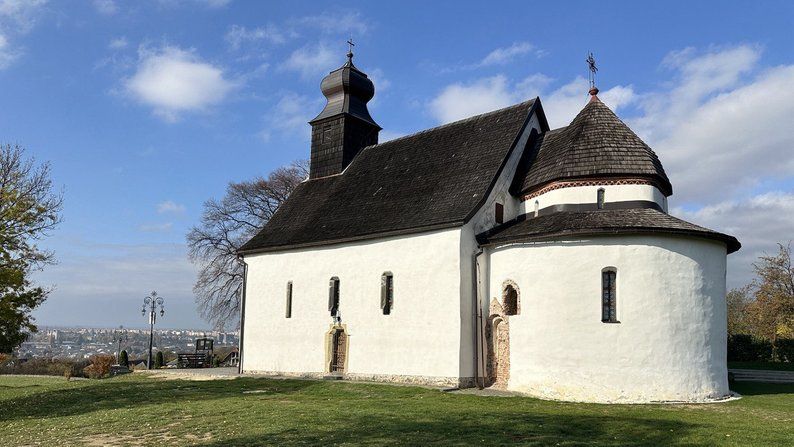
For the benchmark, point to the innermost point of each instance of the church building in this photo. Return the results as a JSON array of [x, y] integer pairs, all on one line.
[[491, 252]]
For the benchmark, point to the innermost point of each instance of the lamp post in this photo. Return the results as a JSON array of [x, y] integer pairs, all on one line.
[[150, 303], [119, 336]]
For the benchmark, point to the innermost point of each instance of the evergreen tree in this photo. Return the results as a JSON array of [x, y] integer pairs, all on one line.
[[158, 360], [124, 359]]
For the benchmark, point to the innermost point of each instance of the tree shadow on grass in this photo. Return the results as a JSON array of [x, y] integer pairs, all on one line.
[[476, 429], [761, 388], [111, 394]]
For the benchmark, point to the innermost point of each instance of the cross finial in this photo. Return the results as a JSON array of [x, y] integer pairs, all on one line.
[[591, 65], [350, 46]]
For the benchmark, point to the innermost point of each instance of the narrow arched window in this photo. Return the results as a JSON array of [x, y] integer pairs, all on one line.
[[510, 299], [537, 208], [600, 198], [288, 313], [386, 293], [333, 296], [609, 295], [499, 213]]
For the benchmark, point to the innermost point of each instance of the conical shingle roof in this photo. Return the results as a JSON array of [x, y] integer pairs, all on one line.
[[596, 144]]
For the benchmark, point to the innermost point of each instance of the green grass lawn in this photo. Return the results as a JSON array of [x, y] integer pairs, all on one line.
[[135, 410]]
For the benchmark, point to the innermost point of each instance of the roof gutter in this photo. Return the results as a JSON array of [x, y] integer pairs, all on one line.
[[242, 314], [478, 345]]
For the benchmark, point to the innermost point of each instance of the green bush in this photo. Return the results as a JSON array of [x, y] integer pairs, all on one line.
[[746, 348], [785, 349], [124, 359], [158, 360], [43, 366]]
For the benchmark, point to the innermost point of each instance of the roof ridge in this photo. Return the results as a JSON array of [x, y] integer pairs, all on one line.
[[458, 122]]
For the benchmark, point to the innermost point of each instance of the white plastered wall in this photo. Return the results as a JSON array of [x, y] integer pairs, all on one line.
[[421, 337], [588, 194], [670, 342]]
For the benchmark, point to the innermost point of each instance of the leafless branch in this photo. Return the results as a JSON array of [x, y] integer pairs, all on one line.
[[226, 225]]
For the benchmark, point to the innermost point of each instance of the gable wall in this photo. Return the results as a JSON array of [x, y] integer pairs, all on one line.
[[484, 219]]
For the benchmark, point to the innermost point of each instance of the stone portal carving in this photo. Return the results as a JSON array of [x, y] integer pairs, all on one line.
[[497, 335]]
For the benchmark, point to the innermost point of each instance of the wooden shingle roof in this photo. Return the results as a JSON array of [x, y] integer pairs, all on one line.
[[433, 179], [600, 222], [596, 144]]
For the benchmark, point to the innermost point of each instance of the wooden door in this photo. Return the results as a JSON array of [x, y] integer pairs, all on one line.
[[339, 351]]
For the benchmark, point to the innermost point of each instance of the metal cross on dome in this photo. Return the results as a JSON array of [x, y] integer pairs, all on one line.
[[350, 46], [591, 64]]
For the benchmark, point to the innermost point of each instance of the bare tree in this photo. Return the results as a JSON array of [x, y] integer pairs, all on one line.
[[225, 226], [28, 210]]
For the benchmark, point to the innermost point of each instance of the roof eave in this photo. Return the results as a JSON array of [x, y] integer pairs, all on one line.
[[732, 244], [363, 237]]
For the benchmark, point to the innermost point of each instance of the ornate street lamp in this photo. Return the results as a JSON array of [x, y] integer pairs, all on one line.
[[119, 336], [150, 303]]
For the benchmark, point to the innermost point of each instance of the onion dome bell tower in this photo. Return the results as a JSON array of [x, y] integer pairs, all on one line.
[[344, 127]]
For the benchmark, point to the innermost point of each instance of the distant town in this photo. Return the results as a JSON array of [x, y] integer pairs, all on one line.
[[74, 343]]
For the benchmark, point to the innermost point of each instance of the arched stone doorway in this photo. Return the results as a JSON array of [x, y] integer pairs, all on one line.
[[497, 334]]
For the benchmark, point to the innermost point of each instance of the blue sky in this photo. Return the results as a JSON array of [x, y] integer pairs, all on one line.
[[146, 109]]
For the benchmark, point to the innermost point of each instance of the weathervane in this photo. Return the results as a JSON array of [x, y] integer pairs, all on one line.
[[593, 69]]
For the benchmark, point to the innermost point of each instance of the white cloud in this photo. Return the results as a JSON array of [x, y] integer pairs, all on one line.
[[22, 14], [563, 104], [291, 115], [532, 85], [501, 56], [118, 43], [717, 131], [758, 222], [311, 61], [7, 54], [169, 206], [239, 35], [17, 17], [156, 227], [460, 100], [172, 81], [106, 7]]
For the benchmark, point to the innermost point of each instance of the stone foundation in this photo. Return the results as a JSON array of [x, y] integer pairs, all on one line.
[[443, 382]]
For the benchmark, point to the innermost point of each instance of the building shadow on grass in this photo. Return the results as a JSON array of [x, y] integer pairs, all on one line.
[[112, 394], [507, 429], [761, 388]]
